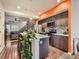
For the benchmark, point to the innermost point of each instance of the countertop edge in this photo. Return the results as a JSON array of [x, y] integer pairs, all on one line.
[[60, 34]]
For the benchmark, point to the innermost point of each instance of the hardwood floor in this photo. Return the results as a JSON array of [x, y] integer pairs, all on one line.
[[54, 53], [9, 53]]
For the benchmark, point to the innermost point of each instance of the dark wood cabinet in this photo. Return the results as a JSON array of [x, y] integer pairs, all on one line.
[[60, 42]]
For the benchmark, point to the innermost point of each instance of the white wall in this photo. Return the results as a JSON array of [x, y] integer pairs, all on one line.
[[1, 27], [75, 19]]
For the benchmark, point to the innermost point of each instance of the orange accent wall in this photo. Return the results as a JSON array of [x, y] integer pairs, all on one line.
[[69, 25], [57, 8]]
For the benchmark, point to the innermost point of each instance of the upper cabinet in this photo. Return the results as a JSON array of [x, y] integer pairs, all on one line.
[[62, 22], [59, 19]]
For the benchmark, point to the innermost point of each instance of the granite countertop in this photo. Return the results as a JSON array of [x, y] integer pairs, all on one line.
[[60, 34], [40, 36], [56, 34]]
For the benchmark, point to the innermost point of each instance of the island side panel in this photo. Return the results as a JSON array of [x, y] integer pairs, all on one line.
[[43, 48]]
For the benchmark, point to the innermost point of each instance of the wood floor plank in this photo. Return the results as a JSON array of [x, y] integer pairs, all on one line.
[[7, 54], [10, 55], [3, 52]]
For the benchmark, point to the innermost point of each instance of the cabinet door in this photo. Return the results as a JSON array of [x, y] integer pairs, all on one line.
[[61, 43], [64, 43], [56, 41]]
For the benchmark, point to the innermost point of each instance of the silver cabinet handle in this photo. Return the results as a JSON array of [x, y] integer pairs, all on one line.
[[41, 42]]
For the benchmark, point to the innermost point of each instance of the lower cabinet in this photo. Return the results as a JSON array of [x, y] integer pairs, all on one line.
[[60, 42]]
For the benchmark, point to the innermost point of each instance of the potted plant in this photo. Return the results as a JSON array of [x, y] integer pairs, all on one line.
[[28, 36]]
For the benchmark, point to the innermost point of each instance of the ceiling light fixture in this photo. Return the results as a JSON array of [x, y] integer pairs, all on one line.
[[31, 18], [39, 13], [58, 0], [37, 17], [18, 7]]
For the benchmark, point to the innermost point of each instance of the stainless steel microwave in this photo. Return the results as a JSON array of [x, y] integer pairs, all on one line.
[[51, 24]]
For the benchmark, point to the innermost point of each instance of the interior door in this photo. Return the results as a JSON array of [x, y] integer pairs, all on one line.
[[2, 41]]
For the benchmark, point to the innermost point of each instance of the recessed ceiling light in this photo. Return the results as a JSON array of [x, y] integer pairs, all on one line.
[[37, 17], [18, 7], [58, 0], [39, 13], [31, 18]]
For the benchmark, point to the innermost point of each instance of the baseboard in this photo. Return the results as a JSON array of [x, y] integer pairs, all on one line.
[[70, 53]]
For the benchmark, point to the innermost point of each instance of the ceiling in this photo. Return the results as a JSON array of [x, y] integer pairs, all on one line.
[[28, 8]]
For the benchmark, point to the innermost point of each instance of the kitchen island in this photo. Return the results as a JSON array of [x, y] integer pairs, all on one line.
[[40, 47]]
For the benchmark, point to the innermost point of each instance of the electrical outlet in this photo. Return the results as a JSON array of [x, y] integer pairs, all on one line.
[[0, 45]]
